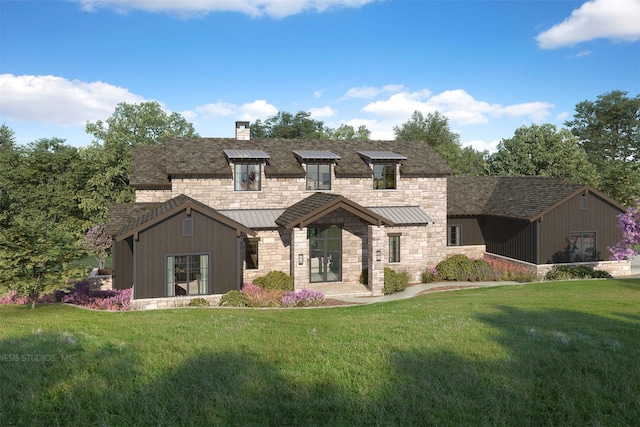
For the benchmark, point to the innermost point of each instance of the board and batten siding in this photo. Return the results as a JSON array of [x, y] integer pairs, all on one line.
[[165, 238], [599, 216], [470, 229], [122, 273], [510, 238]]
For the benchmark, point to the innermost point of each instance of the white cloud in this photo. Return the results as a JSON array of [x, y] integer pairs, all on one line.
[[58, 101], [370, 92], [322, 112], [612, 19], [253, 8], [217, 109], [459, 106], [318, 93], [481, 145], [258, 109]]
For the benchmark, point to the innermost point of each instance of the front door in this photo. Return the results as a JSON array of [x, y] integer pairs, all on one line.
[[325, 249]]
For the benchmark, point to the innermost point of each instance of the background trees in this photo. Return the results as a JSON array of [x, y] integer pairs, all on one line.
[[609, 130], [285, 125], [435, 131], [543, 150]]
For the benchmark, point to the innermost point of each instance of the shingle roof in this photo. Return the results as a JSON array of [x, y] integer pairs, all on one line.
[[121, 214], [205, 157], [148, 168], [515, 197]]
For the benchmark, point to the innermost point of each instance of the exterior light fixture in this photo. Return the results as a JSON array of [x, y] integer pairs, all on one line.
[[378, 256], [300, 259]]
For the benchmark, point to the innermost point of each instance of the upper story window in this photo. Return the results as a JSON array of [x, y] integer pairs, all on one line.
[[384, 176], [247, 176], [318, 164], [384, 164], [318, 177], [247, 168]]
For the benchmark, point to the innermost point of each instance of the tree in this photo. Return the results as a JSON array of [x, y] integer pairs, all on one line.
[[629, 245], [609, 131], [347, 133], [545, 151], [285, 125], [435, 131], [110, 152], [98, 243]]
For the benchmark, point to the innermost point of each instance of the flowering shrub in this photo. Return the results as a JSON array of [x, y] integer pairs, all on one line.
[[14, 298], [430, 275], [112, 299], [260, 297], [629, 223], [98, 243], [303, 298]]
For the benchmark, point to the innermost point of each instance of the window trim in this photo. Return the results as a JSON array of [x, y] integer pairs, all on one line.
[[458, 235], [573, 247], [170, 284], [237, 176], [247, 254], [318, 182]]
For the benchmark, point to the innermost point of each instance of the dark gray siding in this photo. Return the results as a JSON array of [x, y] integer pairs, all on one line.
[[556, 226], [165, 238], [471, 232], [510, 238], [122, 264]]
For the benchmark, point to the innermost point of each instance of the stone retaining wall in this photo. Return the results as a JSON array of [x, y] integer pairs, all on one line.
[[171, 302]]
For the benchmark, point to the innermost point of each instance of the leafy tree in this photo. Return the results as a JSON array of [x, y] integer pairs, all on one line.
[[348, 133], [543, 150], [110, 152], [435, 131], [98, 243], [629, 223], [609, 131], [285, 125]]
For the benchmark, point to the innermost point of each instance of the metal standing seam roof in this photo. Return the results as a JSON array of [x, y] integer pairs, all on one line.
[[254, 218], [381, 155], [315, 155], [403, 215], [246, 154]]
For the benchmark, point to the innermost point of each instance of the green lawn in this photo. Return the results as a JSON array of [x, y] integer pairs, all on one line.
[[558, 353]]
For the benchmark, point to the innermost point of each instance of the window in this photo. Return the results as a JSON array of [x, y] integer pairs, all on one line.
[[247, 177], [394, 248], [384, 176], [187, 275], [454, 235], [582, 246], [318, 177], [251, 254], [583, 203], [187, 227]]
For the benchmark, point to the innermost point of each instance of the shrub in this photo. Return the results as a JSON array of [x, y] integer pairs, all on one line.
[[512, 271], [566, 272], [111, 299], [198, 302], [601, 274], [394, 282], [13, 297], [275, 280], [462, 269], [303, 298], [430, 275], [260, 297], [364, 277], [234, 299]]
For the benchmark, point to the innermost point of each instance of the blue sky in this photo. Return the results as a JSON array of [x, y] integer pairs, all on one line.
[[489, 66]]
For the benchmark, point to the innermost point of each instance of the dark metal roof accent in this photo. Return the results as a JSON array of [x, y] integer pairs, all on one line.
[[172, 207], [254, 218], [381, 156], [522, 197], [246, 154], [315, 155], [319, 205], [190, 157], [403, 215]]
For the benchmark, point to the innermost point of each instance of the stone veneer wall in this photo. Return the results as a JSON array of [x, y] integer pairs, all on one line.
[[171, 302], [471, 251], [155, 196], [273, 253]]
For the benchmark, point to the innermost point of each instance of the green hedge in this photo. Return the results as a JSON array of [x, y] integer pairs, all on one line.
[[275, 280], [393, 281]]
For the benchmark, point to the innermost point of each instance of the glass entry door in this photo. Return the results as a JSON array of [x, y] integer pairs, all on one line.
[[325, 259]]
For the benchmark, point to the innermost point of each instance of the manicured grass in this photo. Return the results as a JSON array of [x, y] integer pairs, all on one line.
[[559, 353]]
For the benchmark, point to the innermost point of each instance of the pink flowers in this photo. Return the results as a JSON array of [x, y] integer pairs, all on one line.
[[629, 223], [113, 299]]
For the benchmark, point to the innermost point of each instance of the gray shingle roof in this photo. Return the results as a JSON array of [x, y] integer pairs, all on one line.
[[523, 197], [204, 157], [148, 168], [121, 214]]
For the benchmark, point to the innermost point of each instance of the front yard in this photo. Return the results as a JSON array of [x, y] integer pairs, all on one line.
[[553, 353]]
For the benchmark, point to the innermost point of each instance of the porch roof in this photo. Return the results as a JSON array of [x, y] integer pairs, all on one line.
[[319, 205]]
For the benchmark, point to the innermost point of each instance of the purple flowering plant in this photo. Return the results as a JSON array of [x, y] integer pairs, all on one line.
[[98, 243], [303, 298], [629, 223]]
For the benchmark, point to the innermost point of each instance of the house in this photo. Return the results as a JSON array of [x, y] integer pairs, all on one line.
[[212, 213], [537, 220]]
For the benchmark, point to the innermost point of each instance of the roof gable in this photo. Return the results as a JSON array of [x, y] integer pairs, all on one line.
[[165, 210], [319, 205]]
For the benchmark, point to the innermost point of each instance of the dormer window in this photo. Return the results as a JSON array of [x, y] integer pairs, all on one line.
[[318, 167], [247, 168], [384, 165]]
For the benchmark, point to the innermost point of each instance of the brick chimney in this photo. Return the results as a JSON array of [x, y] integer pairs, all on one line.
[[243, 131]]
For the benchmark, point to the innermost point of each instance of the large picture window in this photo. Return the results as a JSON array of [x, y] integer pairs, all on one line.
[[318, 177], [384, 176], [187, 275], [582, 246], [247, 177]]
